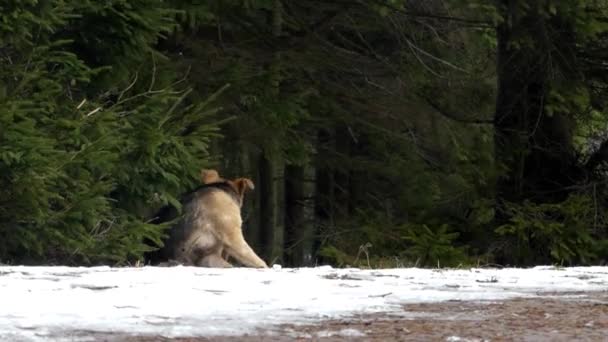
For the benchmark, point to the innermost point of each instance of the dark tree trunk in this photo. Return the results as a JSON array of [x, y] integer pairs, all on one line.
[[272, 208], [324, 191], [251, 207], [343, 197], [300, 214], [272, 165]]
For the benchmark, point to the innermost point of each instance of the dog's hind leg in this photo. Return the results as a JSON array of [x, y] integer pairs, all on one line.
[[213, 260], [238, 248]]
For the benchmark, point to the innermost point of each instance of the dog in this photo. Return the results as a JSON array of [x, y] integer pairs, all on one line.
[[210, 225]]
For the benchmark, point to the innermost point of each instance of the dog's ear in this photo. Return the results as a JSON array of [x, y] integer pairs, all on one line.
[[242, 185], [209, 176]]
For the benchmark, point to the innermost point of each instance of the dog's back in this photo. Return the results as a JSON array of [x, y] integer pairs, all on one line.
[[209, 218], [201, 208], [210, 224]]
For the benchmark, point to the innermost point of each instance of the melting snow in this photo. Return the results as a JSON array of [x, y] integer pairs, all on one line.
[[343, 332], [37, 303]]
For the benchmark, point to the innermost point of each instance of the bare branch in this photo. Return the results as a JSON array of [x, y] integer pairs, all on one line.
[[93, 111], [440, 60], [153, 80], [81, 103], [452, 116], [470, 22], [122, 93]]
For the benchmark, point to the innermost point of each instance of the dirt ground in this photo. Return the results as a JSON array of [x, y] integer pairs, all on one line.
[[571, 317]]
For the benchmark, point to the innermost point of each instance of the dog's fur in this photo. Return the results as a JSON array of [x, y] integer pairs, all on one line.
[[210, 225], [239, 185]]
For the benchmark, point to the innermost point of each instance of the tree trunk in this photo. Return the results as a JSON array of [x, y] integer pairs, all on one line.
[[324, 191], [251, 207], [272, 173], [343, 205], [272, 166], [300, 214]]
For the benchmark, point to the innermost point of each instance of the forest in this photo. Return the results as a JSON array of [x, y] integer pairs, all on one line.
[[378, 133]]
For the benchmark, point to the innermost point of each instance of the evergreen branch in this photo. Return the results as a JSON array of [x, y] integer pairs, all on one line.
[[320, 24], [172, 108], [452, 116], [215, 95], [412, 139], [179, 100], [472, 22]]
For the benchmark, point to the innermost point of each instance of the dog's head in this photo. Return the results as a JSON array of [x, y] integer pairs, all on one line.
[[238, 185]]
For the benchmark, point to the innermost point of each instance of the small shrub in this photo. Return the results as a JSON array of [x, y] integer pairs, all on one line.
[[551, 232]]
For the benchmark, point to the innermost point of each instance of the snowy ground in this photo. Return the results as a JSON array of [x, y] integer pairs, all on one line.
[[41, 303]]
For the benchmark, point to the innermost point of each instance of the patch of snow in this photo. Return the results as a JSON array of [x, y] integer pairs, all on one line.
[[460, 339], [37, 303], [343, 332]]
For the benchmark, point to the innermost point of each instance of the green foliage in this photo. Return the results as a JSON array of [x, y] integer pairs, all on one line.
[[435, 246], [117, 34], [80, 169], [545, 132], [336, 256], [377, 239], [552, 232]]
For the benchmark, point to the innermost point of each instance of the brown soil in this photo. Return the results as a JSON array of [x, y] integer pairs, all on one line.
[[572, 317]]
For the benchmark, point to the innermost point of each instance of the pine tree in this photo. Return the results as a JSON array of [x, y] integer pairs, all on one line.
[[90, 144]]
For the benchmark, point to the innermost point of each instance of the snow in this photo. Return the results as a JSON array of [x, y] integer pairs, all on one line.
[[40, 303], [459, 339], [342, 332]]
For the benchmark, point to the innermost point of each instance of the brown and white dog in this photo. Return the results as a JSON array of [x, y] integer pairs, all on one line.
[[211, 225]]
